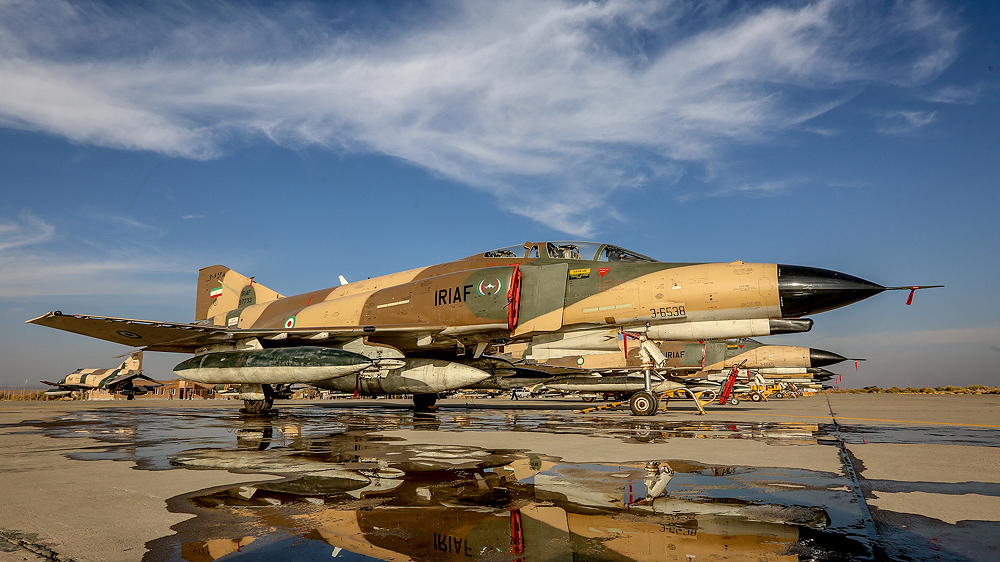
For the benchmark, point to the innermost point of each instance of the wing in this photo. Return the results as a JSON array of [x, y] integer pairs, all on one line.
[[156, 336], [125, 376], [186, 338]]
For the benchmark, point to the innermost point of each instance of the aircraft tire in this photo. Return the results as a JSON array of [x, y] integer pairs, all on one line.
[[756, 397], [643, 403], [589, 398], [259, 407], [734, 401], [256, 407], [424, 402]]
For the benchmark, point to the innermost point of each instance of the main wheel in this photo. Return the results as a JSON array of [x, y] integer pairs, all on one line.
[[756, 397], [258, 407], [589, 398], [424, 401], [643, 403]]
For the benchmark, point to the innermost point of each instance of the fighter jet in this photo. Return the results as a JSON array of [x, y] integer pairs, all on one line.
[[118, 380], [712, 360], [428, 330]]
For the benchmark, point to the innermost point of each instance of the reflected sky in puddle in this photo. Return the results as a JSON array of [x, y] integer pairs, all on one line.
[[353, 494], [387, 501]]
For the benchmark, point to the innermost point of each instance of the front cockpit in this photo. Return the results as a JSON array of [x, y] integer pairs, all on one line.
[[592, 251]]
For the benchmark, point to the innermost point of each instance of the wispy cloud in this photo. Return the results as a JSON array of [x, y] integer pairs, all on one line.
[[956, 94], [895, 122], [40, 275], [549, 105], [31, 265], [762, 189], [25, 230], [118, 221]]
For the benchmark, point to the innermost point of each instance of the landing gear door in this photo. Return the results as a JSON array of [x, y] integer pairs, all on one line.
[[542, 298]]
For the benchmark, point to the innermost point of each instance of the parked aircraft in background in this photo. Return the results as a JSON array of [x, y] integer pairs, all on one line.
[[118, 380], [712, 360], [431, 329]]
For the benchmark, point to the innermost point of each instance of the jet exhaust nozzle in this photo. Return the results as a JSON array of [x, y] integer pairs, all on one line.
[[789, 325]]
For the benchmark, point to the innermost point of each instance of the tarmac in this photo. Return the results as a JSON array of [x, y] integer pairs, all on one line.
[[826, 477]]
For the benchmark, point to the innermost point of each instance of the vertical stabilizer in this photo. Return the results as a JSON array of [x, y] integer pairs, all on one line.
[[221, 289], [133, 363]]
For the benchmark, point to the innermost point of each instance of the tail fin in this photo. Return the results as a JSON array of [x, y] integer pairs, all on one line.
[[221, 289], [133, 363]]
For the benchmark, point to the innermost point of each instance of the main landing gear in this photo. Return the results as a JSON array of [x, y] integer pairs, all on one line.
[[424, 402], [258, 399]]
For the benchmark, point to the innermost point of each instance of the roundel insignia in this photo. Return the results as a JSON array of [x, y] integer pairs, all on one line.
[[128, 334], [490, 286], [579, 361], [290, 323]]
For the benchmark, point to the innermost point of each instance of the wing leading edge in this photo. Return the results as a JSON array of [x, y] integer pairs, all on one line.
[[187, 338]]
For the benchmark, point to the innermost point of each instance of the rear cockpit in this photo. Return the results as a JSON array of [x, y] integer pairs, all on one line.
[[592, 251]]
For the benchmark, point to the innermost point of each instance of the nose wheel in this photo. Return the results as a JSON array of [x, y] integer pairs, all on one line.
[[644, 403]]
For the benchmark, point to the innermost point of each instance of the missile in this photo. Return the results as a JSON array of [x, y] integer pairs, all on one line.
[[622, 384], [522, 377], [722, 329], [619, 383], [283, 365]]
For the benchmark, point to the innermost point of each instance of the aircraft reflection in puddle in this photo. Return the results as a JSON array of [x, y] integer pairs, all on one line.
[[355, 495]]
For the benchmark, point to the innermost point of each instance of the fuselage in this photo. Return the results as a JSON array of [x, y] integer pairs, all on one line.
[[519, 292]]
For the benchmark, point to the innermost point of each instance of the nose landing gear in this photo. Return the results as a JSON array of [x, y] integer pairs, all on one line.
[[644, 403]]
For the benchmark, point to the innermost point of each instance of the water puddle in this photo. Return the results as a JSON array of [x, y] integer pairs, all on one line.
[[352, 493]]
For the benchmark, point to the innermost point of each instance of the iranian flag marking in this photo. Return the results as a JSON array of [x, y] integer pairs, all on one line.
[[215, 293]]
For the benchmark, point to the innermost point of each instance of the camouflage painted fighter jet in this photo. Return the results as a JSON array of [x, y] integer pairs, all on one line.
[[697, 366], [119, 380], [711, 360], [428, 330]]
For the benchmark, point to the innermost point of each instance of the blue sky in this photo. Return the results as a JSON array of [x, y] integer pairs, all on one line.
[[299, 141]]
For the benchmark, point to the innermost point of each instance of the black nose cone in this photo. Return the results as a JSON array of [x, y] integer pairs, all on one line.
[[823, 375], [808, 290], [820, 358]]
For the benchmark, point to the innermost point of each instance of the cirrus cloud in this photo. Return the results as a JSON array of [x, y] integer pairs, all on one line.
[[549, 105]]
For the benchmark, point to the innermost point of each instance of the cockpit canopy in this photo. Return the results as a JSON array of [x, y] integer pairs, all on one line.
[[569, 250]]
